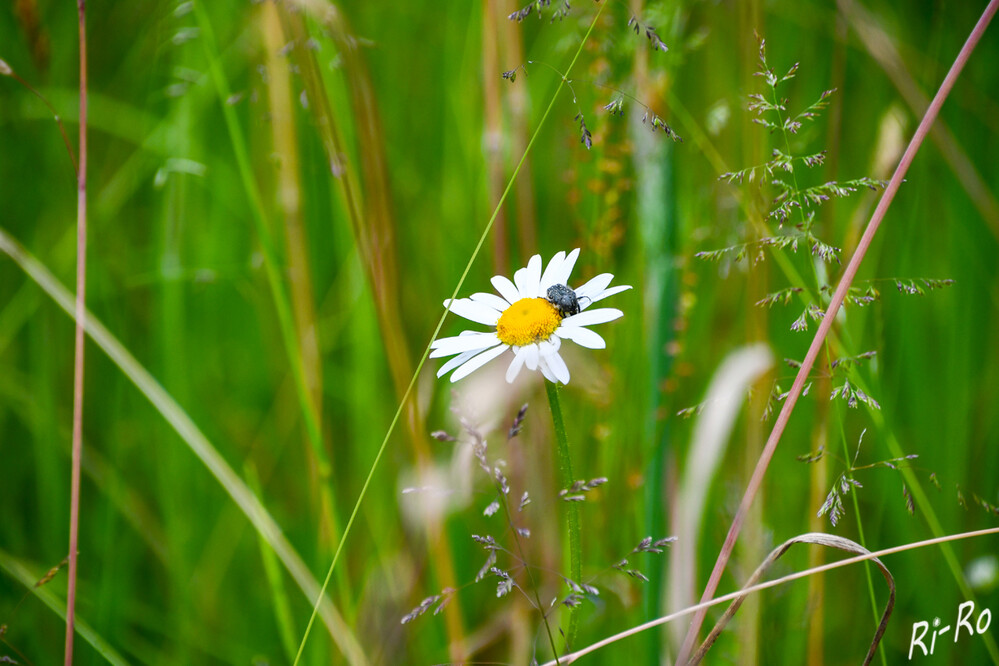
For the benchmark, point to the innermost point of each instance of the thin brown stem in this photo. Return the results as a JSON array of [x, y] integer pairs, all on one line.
[[81, 284], [837, 300], [55, 114]]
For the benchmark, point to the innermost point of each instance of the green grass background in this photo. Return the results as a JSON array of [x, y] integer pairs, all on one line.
[[282, 305]]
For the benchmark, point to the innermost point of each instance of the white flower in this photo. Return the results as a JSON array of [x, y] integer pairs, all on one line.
[[526, 322]]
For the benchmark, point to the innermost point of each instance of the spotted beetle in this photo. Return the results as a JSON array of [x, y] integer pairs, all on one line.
[[564, 299]]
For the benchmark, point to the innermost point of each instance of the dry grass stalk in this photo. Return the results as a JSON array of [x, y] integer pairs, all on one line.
[[824, 327], [821, 539], [81, 312]]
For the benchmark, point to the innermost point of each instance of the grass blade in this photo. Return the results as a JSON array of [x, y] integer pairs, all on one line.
[[17, 570], [237, 489]]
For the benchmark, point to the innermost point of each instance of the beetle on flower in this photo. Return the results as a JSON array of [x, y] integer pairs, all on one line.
[[527, 322]]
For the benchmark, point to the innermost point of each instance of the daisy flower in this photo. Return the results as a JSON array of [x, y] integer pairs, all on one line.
[[529, 320]]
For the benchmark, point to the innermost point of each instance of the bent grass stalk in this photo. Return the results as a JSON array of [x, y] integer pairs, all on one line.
[[790, 272], [437, 330], [818, 539], [824, 327], [703, 606]]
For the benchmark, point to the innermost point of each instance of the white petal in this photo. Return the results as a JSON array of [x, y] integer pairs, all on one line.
[[562, 276], [557, 366], [590, 317], [453, 363], [518, 279], [546, 371], [477, 362], [583, 337], [609, 292], [549, 346], [531, 355], [492, 300], [463, 343], [594, 286], [515, 365], [548, 277], [477, 312], [506, 288], [527, 279]]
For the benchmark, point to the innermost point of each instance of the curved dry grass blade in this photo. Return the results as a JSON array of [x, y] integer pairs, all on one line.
[[820, 539], [704, 605], [249, 504], [831, 311]]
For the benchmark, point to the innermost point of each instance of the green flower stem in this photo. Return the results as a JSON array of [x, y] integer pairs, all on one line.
[[437, 330], [572, 510]]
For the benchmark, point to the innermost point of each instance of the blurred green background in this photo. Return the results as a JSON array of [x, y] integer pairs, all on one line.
[[281, 195]]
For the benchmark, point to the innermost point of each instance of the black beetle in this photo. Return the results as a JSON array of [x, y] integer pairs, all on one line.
[[564, 299]]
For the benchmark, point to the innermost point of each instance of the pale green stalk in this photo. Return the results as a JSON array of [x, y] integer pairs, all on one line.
[[282, 607], [249, 504]]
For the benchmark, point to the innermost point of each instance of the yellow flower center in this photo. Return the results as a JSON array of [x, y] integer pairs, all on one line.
[[526, 321]]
